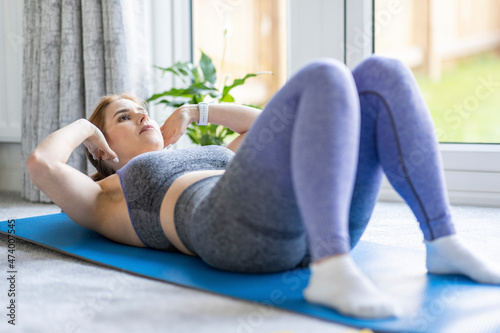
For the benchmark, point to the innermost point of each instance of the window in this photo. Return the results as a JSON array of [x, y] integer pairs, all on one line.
[[316, 28], [241, 37], [453, 48]]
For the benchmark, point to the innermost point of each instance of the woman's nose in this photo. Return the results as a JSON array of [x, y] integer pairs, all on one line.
[[142, 117]]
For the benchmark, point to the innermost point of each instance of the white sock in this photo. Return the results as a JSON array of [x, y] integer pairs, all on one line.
[[448, 255], [339, 284]]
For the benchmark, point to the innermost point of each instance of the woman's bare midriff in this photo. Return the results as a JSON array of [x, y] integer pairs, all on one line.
[[170, 199]]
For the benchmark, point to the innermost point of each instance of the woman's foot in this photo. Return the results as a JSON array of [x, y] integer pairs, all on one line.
[[448, 255], [339, 284]]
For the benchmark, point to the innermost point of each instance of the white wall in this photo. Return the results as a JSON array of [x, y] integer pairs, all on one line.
[[11, 46], [11, 57]]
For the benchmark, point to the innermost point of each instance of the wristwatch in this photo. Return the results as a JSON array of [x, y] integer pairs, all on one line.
[[203, 108]]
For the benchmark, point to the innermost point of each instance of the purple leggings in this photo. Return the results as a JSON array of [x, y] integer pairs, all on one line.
[[306, 178]]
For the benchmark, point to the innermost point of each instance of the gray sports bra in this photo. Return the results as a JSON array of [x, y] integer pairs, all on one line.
[[146, 178]]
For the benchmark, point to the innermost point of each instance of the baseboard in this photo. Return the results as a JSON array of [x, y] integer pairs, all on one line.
[[10, 167], [10, 178]]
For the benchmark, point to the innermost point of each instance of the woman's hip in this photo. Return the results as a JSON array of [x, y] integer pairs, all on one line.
[[235, 245], [234, 230]]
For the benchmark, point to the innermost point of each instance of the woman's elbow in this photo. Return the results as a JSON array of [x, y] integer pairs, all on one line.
[[235, 144], [35, 164]]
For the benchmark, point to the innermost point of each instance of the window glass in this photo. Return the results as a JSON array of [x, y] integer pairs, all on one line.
[[241, 37], [453, 47]]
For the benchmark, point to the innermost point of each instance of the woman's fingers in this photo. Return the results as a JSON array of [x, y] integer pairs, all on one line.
[[108, 155], [92, 150], [171, 137], [101, 154], [98, 146], [175, 126], [171, 134]]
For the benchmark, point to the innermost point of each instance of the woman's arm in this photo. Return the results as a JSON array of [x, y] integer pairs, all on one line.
[[74, 192], [238, 118]]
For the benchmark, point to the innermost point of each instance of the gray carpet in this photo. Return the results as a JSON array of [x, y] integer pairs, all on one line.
[[58, 293]]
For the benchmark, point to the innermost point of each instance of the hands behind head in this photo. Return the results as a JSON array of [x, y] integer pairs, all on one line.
[[177, 123], [98, 146]]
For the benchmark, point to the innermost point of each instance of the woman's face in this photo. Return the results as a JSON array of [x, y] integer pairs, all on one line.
[[130, 132]]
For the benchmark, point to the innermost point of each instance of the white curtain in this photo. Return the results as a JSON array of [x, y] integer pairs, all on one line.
[[76, 51]]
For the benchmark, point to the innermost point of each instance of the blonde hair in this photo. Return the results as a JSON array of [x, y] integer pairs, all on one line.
[[99, 120]]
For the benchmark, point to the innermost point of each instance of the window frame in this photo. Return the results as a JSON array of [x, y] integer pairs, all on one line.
[[472, 171], [171, 41]]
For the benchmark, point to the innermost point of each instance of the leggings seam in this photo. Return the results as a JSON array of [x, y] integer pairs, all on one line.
[[400, 151]]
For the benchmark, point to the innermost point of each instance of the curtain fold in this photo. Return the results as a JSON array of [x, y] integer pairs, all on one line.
[[76, 51]]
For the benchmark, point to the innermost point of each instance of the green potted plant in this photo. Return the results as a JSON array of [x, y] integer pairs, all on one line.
[[199, 84]]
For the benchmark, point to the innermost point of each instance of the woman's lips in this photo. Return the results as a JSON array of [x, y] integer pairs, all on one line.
[[146, 128]]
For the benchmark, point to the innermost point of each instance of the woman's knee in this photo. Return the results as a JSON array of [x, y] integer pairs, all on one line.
[[379, 69], [326, 69]]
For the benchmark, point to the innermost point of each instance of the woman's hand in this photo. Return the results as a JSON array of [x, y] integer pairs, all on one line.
[[175, 125], [238, 118], [96, 143]]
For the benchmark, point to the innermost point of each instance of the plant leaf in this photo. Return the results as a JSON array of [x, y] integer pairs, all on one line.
[[208, 68], [155, 96], [176, 100], [194, 89], [227, 98], [215, 94], [239, 82], [174, 104], [193, 133], [253, 106], [195, 72], [193, 138], [183, 70]]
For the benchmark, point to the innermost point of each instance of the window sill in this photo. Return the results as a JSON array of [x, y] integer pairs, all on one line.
[[472, 173]]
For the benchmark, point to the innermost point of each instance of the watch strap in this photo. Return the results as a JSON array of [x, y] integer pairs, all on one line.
[[203, 108]]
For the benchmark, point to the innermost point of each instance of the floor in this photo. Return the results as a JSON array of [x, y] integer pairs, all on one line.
[[59, 293]]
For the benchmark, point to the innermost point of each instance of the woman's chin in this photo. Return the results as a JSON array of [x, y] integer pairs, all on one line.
[[153, 144]]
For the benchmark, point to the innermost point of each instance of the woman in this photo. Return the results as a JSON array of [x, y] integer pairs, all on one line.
[[302, 183]]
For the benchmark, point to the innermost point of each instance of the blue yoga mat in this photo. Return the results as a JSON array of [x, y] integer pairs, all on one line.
[[430, 303]]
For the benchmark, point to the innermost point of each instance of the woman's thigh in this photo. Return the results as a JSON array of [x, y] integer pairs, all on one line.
[[255, 203], [250, 221], [247, 223]]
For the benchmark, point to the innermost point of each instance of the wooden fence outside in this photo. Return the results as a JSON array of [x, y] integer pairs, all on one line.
[[255, 42], [428, 34]]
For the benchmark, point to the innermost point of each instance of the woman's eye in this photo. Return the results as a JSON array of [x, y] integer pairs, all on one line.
[[123, 117]]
